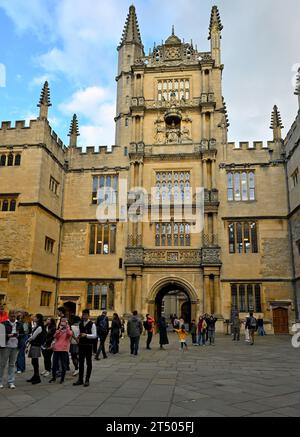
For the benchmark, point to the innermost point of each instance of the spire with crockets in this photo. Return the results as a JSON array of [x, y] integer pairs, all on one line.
[[131, 33], [44, 102], [297, 89], [74, 131], [276, 124], [215, 28]]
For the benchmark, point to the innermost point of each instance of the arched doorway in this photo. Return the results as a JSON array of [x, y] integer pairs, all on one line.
[[70, 309], [280, 321], [173, 299]]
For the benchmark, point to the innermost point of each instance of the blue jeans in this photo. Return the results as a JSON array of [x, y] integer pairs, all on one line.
[[21, 366], [201, 338], [261, 331], [8, 355], [134, 345]]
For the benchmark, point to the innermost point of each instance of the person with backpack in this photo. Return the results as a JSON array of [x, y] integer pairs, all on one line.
[[134, 331], [47, 351], [148, 326], [37, 339], [251, 324], [14, 333], [102, 325]]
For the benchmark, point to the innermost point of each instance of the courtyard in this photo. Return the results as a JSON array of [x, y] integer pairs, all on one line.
[[231, 379]]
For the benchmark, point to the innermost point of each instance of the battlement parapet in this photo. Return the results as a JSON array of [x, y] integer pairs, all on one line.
[[255, 145], [91, 150]]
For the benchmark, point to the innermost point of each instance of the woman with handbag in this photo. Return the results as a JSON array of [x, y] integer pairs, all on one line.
[[35, 342]]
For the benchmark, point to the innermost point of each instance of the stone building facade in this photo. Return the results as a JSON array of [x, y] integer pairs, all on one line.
[[171, 135]]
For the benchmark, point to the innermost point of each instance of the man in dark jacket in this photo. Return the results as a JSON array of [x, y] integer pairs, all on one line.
[[102, 325], [251, 324], [134, 331]]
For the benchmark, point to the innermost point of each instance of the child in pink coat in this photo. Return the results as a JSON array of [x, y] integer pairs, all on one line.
[[61, 347]]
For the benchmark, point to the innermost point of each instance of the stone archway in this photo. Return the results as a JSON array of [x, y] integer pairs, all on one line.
[[187, 297]]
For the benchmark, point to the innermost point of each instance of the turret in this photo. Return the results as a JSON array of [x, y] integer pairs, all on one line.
[[130, 49], [44, 102], [74, 132], [297, 90], [215, 36], [276, 124]]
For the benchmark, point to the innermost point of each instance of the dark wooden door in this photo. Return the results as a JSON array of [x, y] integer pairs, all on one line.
[[280, 321]]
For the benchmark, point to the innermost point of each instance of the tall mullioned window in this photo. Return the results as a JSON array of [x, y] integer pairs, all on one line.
[[295, 177], [246, 297], [108, 184], [172, 234], [242, 237], [102, 239], [173, 184], [240, 186], [8, 204], [173, 88], [101, 296], [53, 185], [11, 159]]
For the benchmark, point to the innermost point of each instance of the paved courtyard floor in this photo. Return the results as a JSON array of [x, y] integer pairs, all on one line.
[[231, 379]]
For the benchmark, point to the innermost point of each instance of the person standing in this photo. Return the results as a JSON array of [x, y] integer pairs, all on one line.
[[163, 336], [35, 341], [260, 326], [14, 333], [88, 333], [236, 327], [202, 327], [115, 334], [21, 362], [122, 327], [47, 351], [251, 324], [134, 331], [193, 332], [74, 348], [102, 325], [3, 314], [182, 334], [148, 325], [211, 327], [61, 349]]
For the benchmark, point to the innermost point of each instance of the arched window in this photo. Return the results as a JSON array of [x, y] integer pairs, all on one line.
[[111, 297], [5, 205], [13, 205], [18, 160], [3, 161], [10, 161]]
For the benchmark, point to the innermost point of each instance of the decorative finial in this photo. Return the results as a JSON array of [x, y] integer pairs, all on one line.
[[74, 131], [44, 102], [276, 123], [297, 89], [215, 21], [173, 30], [131, 32]]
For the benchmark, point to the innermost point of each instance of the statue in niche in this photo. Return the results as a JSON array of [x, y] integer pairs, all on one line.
[[160, 131], [173, 134], [185, 134]]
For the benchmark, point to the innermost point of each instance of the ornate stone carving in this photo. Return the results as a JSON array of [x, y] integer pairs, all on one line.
[[134, 255], [181, 256], [211, 256]]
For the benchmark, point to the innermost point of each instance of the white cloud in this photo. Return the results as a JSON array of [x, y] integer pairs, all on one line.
[[95, 105], [40, 80]]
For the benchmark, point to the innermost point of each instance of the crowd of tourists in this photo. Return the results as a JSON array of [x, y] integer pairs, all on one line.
[[62, 341]]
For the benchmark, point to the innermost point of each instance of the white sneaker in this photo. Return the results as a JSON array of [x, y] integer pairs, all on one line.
[[46, 373], [1, 386], [12, 386], [19, 372], [43, 373], [75, 373]]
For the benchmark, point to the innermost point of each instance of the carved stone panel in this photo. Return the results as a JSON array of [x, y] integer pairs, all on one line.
[[134, 256], [211, 256], [181, 256]]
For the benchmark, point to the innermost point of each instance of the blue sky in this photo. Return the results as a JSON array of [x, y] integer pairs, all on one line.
[[72, 44]]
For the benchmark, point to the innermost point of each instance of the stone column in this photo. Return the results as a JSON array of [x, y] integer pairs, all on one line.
[[207, 302], [128, 294], [212, 296], [215, 228], [138, 294], [213, 173], [217, 295], [205, 173]]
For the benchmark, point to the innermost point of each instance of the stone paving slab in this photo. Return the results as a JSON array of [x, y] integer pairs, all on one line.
[[230, 379]]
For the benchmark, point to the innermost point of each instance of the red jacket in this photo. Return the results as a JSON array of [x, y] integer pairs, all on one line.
[[3, 317]]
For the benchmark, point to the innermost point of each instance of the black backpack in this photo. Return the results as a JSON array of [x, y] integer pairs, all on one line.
[[146, 325]]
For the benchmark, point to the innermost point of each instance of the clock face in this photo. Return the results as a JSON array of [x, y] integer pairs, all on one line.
[[173, 53]]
